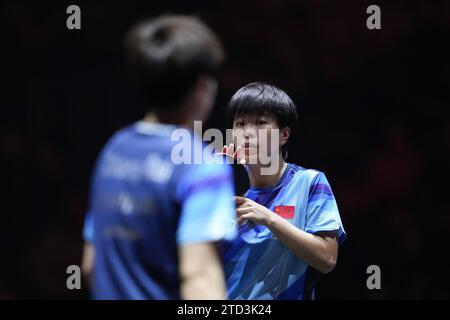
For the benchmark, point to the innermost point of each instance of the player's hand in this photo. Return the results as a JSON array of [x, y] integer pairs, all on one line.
[[247, 209], [235, 154]]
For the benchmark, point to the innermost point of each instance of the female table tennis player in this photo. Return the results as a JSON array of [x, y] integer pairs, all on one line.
[[290, 227]]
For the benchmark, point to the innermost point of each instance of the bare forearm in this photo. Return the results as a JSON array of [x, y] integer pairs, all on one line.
[[319, 250], [201, 272], [316, 251], [87, 263], [203, 287]]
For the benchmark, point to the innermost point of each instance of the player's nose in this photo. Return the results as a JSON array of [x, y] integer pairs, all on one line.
[[249, 131]]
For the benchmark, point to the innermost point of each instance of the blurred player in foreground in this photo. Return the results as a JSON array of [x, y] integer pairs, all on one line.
[[290, 226], [152, 226]]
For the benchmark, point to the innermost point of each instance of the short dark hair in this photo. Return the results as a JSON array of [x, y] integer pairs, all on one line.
[[259, 99], [168, 54]]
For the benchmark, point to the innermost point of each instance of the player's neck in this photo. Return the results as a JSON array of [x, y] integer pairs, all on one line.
[[259, 180]]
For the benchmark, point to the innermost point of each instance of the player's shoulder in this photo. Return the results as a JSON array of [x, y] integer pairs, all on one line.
[[124, 141], [139, 132], [304, 173], [120, 135], [308, 179]]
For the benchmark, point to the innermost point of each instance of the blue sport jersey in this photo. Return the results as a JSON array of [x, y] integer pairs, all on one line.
[[257, 264], [143, 205]]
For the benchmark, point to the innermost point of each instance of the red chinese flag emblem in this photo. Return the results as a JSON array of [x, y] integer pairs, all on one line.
[[286, 212]]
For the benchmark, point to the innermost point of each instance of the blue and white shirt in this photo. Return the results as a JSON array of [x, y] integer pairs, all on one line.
[[257, 264], [143, 206]]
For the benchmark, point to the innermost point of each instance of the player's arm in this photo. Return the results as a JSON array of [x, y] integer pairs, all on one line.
[[318, 250], [87, 259], [207, 217], [201, 272], [87, 262]]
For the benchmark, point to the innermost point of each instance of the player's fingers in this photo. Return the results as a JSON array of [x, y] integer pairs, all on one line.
[[228, 159], [224, 149], [242, 219], [239, 200], [242, 211], [237, 152], [230, 149], [245, 204], [240, 156]]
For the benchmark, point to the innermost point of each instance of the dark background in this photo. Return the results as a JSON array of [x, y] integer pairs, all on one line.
[[373, 116]]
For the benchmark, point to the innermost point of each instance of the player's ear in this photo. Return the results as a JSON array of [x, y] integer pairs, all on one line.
[[284, 135]]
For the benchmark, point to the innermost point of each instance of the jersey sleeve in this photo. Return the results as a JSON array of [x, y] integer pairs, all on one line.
[[88, 228], [207, 206], [322, 211]]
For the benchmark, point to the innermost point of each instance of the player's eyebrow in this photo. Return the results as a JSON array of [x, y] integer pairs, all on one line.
[[247, 115]]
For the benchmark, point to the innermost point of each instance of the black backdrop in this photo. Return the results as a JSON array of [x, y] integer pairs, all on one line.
[[373, 116]]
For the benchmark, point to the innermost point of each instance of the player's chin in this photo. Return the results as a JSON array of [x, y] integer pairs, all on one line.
[[250, 150], [251, 159]]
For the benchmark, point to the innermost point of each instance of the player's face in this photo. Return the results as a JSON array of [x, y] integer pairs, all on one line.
[[254, 135]]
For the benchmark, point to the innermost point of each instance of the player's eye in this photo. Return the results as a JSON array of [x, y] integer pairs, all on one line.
[[262, 122], [239, 123]]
